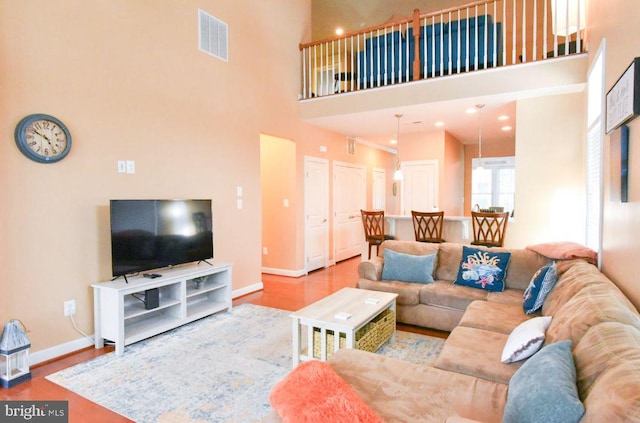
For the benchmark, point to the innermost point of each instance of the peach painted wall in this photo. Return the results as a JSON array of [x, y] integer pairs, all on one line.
[[279, 202], [129, 81], [619, 23], [452, 194]]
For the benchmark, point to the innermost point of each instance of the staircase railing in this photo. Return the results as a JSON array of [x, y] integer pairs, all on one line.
[[480, 35]]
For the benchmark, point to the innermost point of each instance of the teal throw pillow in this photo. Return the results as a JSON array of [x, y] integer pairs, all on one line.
[[544, 389], [483, 269], [407, 268], [541, 284]]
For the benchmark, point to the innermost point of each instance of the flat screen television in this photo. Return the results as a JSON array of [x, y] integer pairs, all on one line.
[[151, 234]]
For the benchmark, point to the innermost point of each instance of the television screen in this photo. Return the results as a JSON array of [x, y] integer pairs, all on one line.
[[150, 234]]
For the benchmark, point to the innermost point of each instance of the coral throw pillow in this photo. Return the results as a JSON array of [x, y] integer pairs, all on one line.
[[314, 393], [565, 251]]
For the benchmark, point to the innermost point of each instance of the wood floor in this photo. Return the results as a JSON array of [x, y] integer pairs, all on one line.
[[279, 292]]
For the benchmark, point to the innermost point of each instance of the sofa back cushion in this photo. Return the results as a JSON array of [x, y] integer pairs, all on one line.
[[602, 347], [611, 382], [571, 280], [523, 264], [590, 306], [410, 247]]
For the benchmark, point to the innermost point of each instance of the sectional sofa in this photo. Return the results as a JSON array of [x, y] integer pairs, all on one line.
[[574, 358]]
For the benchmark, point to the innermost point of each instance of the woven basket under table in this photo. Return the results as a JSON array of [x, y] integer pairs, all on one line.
[[370, 337]]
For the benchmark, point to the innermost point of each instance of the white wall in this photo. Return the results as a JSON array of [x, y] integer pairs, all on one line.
[[550, 171]]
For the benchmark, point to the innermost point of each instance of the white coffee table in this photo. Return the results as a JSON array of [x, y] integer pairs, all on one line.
[[360, 305]]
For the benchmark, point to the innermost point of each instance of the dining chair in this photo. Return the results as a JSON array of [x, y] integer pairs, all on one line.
[[427, 226], [489, 228], [373, 222]]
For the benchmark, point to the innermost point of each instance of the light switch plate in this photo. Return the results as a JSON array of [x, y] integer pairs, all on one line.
[[131, 166]]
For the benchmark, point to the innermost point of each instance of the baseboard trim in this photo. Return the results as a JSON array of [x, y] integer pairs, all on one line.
[[81, 343], [59, 350], [247, 290], [284, 272]]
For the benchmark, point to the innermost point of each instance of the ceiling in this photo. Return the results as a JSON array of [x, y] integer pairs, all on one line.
[[380, 126]]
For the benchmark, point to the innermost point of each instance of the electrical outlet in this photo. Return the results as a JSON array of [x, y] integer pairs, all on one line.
[[70, 308], [265, 251]]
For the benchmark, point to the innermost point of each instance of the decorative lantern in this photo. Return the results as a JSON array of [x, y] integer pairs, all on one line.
[[14, 354]]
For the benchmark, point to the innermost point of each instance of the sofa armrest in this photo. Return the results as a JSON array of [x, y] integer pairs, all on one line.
[[371, 269]]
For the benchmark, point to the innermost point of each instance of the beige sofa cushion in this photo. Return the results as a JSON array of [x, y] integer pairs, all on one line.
[[588, 307], [522, 266], [578, 276], [449, 258], [446, 294], [408, 293], [508, 296], [410, 247], [476, 352], [435, 317], [614, 395], [400, 391], [494, 317], [601, 347]]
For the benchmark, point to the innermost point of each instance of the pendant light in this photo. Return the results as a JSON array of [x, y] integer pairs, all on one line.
[[479, 107], [398, 175]]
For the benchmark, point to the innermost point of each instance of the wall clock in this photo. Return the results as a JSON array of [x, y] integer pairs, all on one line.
[[43, 138]]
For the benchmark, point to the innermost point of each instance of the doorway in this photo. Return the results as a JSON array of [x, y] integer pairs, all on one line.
[[419, 187], [349, 197], [316, 206]]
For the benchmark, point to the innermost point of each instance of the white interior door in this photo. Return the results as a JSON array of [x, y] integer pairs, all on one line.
[[316, 205], [420, 186], [349, 197], [378, 188]]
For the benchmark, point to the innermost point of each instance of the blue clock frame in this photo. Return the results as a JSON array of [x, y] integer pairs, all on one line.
[[23, 143]]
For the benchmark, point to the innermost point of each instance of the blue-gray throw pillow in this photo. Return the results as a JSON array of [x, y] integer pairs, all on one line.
[[544, 389], [407, 268], [483, 269], [541, 284]]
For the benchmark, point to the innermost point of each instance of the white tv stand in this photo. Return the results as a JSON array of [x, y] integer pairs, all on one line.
[[186, 293]]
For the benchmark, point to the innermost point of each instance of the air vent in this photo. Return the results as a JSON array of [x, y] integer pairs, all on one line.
[[214, 36], [351, 146]]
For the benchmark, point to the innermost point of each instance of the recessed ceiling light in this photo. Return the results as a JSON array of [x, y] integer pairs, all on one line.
[[439, 123], [506, 128], [393, 142], [503, 117], [471, 111], [339, 31]]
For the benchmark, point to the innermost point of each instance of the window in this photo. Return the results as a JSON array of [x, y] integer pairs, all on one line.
[[595, 140], [494, 183]]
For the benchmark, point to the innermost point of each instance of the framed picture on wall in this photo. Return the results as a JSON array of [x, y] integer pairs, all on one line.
[[624, 164], [623, 100]]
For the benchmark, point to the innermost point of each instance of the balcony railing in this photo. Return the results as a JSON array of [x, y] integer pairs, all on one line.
[[480, 35]]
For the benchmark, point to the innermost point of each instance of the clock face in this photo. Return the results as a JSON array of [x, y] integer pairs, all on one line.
[[43, 138]]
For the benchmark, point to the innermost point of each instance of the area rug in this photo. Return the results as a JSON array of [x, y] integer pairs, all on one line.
[[218, 369]]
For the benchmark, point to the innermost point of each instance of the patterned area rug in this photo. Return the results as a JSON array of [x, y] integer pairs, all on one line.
[[218, 369]]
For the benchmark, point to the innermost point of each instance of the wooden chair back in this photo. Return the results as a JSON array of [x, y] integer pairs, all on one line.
[[489, 228], [373, 222], [427, 226]]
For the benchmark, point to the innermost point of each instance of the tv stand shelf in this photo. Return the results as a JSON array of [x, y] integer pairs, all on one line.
[[186, 293]]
